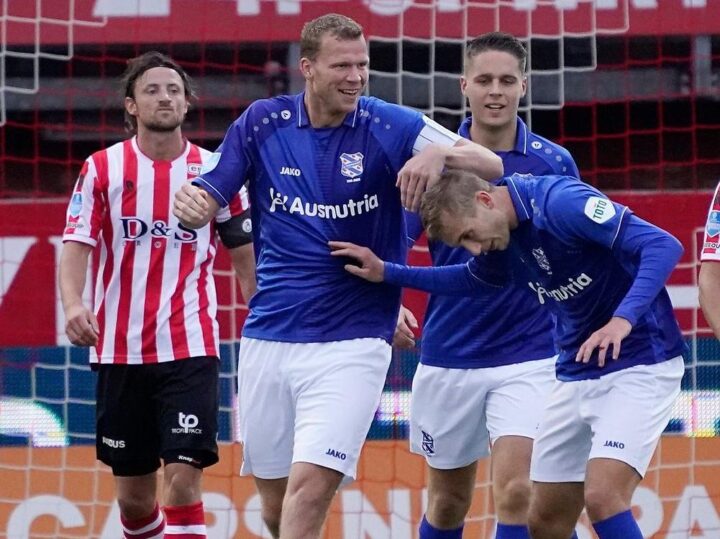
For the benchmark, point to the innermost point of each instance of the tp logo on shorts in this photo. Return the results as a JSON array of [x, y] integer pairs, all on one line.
[[187, 424], [428, 444]]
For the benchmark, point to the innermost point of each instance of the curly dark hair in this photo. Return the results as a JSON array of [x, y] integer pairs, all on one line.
[[139, 65]]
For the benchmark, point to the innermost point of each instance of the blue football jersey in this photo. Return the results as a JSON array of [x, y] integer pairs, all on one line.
[[499, 326], [587, 259], [308, 186]]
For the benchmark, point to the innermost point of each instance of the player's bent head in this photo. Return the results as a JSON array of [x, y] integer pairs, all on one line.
[[334, 24], [453, 196], [496, 41], [137, 66]]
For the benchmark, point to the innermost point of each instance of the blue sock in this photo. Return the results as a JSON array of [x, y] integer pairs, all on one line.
[[510, 531], [428, 532], [574, 535], [620, 526]]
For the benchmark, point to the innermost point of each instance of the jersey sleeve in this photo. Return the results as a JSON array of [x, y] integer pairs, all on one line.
[[711, 241], [234, 222], [399, 130], [434, 133], [582, 214], [566, 166], [577, 211], [87, 207], [226, 170]]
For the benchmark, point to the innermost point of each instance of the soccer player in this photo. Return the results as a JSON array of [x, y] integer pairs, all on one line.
[[321, 165], [602, 271], [709, 278], [153, 333], [485, 381]]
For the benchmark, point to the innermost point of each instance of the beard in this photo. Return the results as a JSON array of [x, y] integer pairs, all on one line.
[[163, 127]]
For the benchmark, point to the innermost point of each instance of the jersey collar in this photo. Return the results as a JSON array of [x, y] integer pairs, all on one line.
[[519, 196], [521, 134], [304, 121]]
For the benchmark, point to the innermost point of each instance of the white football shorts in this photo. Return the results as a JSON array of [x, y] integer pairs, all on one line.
[[307, 402], [456, 414], [618, 416]]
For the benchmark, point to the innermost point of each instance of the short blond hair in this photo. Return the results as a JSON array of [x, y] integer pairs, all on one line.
[[453, 194], [336, 25]]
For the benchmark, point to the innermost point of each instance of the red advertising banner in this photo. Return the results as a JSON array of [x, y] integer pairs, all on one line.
[[30, 245], [162, 21]]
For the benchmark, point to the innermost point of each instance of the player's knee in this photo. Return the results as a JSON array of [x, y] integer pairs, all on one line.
[[136, 505], [513, 498], [448, 509], [182, 484], [602, 503]]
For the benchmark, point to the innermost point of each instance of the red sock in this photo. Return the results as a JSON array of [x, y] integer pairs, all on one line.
[[149, 527], [185, 522]]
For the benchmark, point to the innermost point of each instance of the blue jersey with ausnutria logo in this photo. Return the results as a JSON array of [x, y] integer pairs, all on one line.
[[499, 326], [308, 186], [586, 258]]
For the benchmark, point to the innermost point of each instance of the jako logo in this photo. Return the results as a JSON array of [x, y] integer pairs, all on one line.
[[612, 443], [573, 288], [134, 229], [187, 424], [351, 208], [288, 171], [117, 444], [336, 454]]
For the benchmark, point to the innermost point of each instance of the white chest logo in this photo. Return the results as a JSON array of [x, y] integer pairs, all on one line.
[[599, 209], [351, 166], [289, 171]]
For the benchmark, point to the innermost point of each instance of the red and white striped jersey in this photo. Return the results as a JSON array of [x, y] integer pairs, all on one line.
[[154, 291], [711, 242]]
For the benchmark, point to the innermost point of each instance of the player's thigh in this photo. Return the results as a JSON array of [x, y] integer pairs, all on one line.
[[187, 401], [629, 410], [510, 461], [337, 388], [516, 404], [447, 415], [127, 437], [266, 407], [563, 440]]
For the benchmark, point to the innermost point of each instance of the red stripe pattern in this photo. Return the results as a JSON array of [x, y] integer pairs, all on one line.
[[154, 292]]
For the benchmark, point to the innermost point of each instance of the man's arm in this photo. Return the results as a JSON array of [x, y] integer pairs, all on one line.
[[658, 252], [81, 325], [243, 262], [709, 281], [455, 280]]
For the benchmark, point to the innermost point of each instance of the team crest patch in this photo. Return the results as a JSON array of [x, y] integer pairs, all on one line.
[[712, 226], [542, 259], [428, 444], [600, 210], [351, 166], [194, 169]]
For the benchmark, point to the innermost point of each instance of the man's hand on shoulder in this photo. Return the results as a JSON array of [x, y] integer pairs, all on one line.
[[369, 266]]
